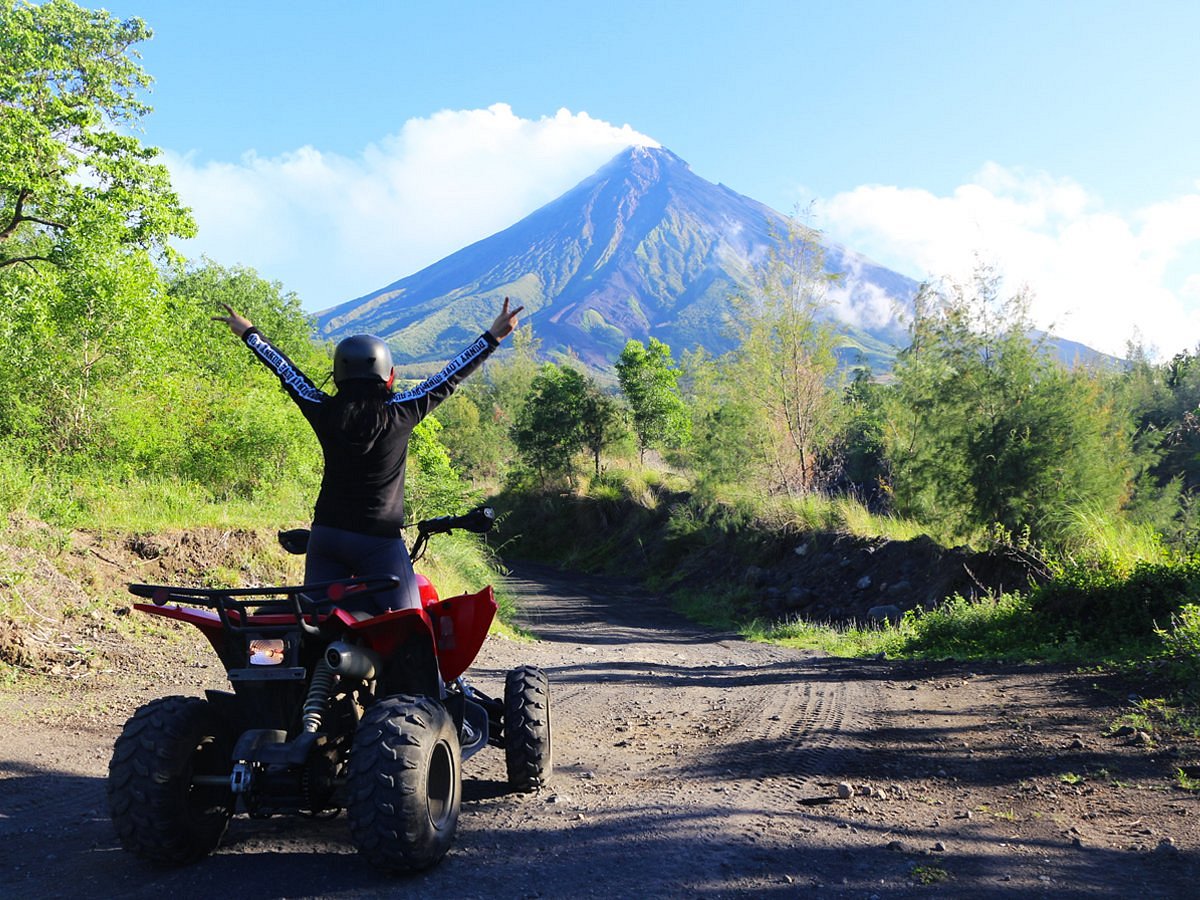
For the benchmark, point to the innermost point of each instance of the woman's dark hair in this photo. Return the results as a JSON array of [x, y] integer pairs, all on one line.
[[361, 408]]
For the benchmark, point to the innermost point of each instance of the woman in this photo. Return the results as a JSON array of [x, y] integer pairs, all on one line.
[[363, 430]]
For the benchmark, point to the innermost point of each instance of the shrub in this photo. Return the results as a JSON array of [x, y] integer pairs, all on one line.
[[1182, 644], [1113, 606]]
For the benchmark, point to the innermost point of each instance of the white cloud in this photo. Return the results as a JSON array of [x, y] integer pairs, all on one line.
[[332, 227], [859, 302], [1096, 276]]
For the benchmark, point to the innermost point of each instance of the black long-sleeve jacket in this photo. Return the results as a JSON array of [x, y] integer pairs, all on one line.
[[362, 488]]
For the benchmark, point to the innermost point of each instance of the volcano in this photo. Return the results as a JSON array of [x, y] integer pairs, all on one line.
[[642, 248]]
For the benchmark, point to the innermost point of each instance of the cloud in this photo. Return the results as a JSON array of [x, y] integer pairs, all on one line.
[[1095, 275], [332, 228]]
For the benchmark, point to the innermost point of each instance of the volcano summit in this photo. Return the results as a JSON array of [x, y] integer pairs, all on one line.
[[642, 248]]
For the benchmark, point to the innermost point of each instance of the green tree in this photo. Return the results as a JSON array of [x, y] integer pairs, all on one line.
[[199, 407], [479, 446], [549, 429], [986, 428], [862, 453], [434, 486], [601, 423], [85, 218], [479, 417], [649, 380], [71, 181], [784, 362], [1160, 404], [728, 432]]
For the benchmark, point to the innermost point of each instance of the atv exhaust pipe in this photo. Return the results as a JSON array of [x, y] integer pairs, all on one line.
[[350, 661]]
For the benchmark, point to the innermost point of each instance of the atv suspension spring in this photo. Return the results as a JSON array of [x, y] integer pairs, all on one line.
[[319, 693]]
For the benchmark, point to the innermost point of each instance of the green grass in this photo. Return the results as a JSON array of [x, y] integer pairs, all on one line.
[[460, 564], [158, 505], [1156, 716], [1087, 535], [836, 640], [995, 628], [1186, 782], [929, 875], [44, 510]]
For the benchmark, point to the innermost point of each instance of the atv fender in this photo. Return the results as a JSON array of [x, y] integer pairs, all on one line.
[[460, 627]]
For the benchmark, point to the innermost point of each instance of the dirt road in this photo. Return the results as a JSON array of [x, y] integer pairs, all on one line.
[[687, 764]]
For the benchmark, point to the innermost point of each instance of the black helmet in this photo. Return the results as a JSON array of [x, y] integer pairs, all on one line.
[[362, 356]]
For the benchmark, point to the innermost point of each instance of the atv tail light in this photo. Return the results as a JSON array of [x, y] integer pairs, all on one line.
[[266, 652]]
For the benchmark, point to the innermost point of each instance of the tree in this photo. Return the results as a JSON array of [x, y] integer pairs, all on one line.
[[71, 181], [480, 415], [784, 362], [478, 446], [986, 428], [85, 217], [549, 430], [728, 432], [1160, 401], [196, 406], [601, 423], [649, 379]]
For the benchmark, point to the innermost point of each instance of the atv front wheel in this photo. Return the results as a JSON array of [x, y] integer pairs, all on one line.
[[527, 747], [405, 783], [159, 812]]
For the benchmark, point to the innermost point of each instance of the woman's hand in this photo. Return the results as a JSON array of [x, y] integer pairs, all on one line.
[[505, 324], [239, 324]]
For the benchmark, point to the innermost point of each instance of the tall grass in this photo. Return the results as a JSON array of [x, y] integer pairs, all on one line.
[[51, 504], [1088, 535], [997, 628], [98, 501], [814, 511]]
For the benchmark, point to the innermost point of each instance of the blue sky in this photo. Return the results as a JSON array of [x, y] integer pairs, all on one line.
[[339, 147]]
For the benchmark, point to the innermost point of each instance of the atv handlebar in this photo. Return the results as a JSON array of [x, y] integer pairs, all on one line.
[[477, 521]]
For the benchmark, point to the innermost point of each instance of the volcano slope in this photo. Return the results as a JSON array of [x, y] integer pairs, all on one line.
[[688, 763]]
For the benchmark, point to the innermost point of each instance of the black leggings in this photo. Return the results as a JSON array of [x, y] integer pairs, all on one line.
[[334, 553]]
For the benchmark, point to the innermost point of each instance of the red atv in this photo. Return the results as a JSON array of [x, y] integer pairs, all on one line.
[[330, 710]]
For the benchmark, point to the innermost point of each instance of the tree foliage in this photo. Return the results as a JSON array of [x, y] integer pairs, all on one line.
[[728, 431], [985, 428], [85, 217], [73, 181], [649, 380], [602, 422], [769, 409], [549, 432], [479, 417]]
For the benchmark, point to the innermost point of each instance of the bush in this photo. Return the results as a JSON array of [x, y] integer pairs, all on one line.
[[1112, 606], [1182, 644]]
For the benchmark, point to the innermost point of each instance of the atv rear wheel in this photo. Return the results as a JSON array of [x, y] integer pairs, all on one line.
[[158, 812], [528, 751], [405, 783]]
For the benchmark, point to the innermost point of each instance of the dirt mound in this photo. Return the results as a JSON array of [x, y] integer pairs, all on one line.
[[63, 599], [826, 576]]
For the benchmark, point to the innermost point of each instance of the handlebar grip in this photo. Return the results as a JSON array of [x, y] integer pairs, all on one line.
[[477, 521]]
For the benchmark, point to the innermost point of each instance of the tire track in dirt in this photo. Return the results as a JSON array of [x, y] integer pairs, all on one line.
[[774, 721]]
